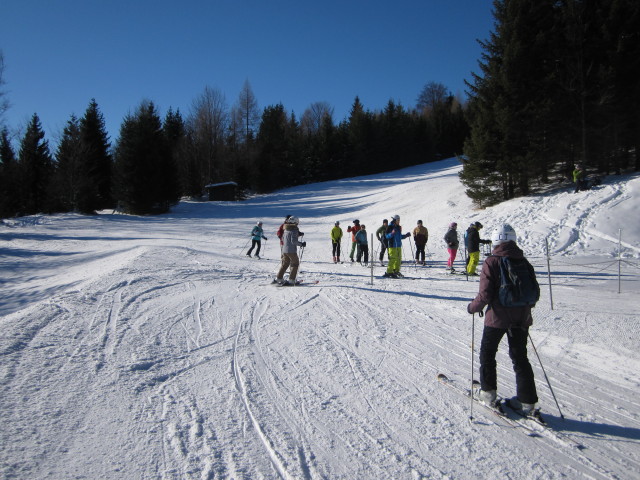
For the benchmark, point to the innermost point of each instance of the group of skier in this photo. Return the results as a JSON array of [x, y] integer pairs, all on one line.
[[390, 237], [499, 320]]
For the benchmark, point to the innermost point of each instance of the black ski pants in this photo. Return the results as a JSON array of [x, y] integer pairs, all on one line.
[[383, 248], [363, 250], [255, 243], [517, 338], [335, 246]]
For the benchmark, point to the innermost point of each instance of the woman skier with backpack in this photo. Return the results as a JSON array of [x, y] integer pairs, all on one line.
[[514, 321]]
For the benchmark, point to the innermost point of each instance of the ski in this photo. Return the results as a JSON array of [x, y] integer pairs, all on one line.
[[534, 426], [399, 278], [297, 284], [497, 410], [537, 419]]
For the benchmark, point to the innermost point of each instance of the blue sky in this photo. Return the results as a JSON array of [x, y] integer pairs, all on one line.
[[61, 54]]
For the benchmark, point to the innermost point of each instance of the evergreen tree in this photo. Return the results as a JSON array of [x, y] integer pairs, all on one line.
[[277, 166], [142, 164], [622, 36], [509, 108], [69, 158], [9, 192], [359, 139], [174, 131], [35, 167], [95, 185]]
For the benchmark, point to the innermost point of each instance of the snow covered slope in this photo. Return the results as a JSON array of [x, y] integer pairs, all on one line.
[[152, 347]]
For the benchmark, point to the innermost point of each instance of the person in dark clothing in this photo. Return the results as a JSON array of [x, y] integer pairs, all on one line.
[[472, 242], [256, 236], [381, 235], [420, 237], [500, 320], [363, 245]]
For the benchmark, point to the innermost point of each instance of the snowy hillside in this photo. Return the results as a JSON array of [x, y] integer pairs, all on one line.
[[152, 347]]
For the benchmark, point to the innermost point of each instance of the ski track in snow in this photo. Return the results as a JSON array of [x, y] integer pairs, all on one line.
[[145, 352]]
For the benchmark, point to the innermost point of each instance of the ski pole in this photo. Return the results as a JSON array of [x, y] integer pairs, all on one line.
[[545, 376], [473, 336], [428, 254], [466, 270], [415, 263], [245, 246]]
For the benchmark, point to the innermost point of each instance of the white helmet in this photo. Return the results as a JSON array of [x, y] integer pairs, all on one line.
[[293, 219], [504, 233]]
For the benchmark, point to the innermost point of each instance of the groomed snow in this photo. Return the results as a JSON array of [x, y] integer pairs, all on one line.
[[152, 347]]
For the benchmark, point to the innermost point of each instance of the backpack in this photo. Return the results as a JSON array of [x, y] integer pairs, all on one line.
[[518, 284]]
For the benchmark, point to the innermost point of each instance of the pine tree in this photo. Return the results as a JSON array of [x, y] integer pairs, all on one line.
[[142, 164], [9, 192], [174, 131], [95, 183], [359, 139], [275, 164], [510, 105], [69, 158], [35, 167]]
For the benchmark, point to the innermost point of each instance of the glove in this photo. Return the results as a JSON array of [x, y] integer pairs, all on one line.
[[265, 238], [304, 244], [469, 309]]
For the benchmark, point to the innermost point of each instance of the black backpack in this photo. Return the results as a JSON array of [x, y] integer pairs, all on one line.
[[518, 284]]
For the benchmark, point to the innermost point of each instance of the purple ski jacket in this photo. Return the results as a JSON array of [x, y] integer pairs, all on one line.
[[496, 315]]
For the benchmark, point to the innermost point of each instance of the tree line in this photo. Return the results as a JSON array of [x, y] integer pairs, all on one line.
[[156, 160], [559, 85]]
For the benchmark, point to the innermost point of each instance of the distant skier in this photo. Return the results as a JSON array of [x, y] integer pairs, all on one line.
[[394, 238], [280, 231], [290, 244], [473, 241], [381, 236], [420, 238], [363, 245], [452, 241], [500, 320], [336, 238], [256, 236], [579, 178], [353, 230]]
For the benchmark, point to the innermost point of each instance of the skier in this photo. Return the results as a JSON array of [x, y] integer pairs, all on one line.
[[336, 238], [451, 239], [394, 238], [420, 237], [353, 230], [280, 231], [256, 235], [579, 179], [500, 320], [381, 236], [290, 244], [473, 241], [363, 245]]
